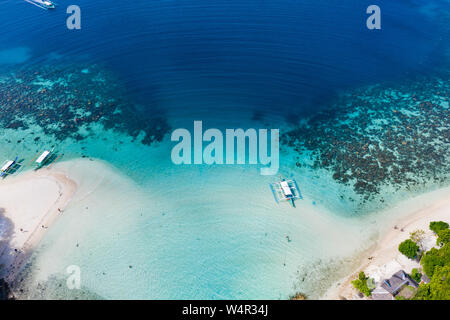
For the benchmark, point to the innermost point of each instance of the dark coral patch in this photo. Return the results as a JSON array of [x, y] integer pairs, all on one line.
[[61, 100], [379, 135]]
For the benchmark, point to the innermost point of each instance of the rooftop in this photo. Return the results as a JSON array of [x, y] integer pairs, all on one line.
[[395, 283]]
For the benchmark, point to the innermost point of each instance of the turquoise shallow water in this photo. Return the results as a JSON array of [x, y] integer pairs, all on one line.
[[142, 227], [197, 232], [145, 228]]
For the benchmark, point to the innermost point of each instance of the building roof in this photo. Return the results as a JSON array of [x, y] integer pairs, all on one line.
[[395, 283]]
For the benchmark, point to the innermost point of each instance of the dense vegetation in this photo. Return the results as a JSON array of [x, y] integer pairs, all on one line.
[[361, 284], [438, 288], [416, 275], [434, 258], [443, 237], [409, 248], [437, 226], [436, 265]]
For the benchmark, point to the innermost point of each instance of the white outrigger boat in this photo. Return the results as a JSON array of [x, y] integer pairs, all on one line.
[[43, 4], [285, 190], [45, 158], [7, 167]]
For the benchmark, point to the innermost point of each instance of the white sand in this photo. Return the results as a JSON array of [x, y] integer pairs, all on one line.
[[384, 259], [29, 204], [32, 199]]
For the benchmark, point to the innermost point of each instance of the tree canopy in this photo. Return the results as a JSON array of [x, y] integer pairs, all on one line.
[[440, 284], [361, 284], [438, 288], [443, 237], [435, 257], [409, 248], [416, 275], [436, 265], [437, 226]]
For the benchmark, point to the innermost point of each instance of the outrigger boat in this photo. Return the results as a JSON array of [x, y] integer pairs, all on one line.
[[43, 4], [285, 190], [7, 167], [45, 158]]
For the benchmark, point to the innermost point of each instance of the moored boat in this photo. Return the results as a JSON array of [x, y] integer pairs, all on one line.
[[7, 167], [286, 190]]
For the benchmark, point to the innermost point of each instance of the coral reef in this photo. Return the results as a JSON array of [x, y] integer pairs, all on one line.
[[384, 134], [63, 99]]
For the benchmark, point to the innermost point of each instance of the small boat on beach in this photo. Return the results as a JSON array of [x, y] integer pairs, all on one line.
[[43, 4], [46, 158], [7, 167], [42, 159], [285, 190]]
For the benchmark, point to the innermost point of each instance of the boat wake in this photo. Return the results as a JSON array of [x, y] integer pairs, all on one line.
[[43, 4]]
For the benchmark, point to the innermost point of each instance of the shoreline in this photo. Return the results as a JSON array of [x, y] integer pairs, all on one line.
[[381, 258], [57, 190], [31, 202]]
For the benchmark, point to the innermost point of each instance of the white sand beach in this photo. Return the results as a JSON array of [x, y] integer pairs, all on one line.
[[384, 259], [29, 204]]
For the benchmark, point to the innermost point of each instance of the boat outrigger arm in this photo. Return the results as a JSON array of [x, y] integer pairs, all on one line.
[[286, 190], [7, 167]]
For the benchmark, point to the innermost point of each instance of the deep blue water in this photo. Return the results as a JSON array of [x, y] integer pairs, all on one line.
[[278, 57]]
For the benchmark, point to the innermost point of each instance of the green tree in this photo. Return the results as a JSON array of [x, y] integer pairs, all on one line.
[[438, 288], [362, 276], [443, 237], [423, 292], [409, 248], [416, 275], [435, 257], [361, 284], [440, 283], [437, 226]]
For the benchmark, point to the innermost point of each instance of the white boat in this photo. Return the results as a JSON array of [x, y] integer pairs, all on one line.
[[7, 167], [43, 4], [46, 158], [285, 190], [41, 159]]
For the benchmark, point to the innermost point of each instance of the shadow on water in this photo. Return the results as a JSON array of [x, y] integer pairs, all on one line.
[[22, 286], [53, 288], [6, 232]]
